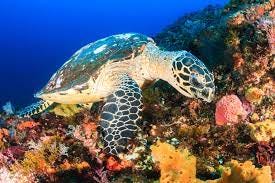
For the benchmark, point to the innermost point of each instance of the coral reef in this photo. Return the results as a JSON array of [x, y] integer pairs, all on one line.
[[63, 144]]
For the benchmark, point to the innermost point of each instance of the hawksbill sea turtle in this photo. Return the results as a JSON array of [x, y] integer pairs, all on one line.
[[113, 70]]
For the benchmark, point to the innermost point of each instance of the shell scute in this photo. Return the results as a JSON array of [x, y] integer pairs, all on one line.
[[86, 62]]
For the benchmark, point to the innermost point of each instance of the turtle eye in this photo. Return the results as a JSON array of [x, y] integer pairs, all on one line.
[[195, 82]]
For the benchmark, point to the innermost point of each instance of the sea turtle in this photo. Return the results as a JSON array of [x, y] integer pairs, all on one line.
[[114, 69]]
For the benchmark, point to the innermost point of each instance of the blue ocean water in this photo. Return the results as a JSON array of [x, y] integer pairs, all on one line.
[[38, 36]]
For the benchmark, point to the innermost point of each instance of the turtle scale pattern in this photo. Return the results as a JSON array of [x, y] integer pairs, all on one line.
[[120, 115], [186, 67]]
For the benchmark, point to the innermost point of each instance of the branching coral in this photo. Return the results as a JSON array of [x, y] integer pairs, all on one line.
[[8, 108], [238, 60]]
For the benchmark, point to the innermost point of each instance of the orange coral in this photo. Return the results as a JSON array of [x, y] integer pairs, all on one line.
[[193, 107], [245, 172], [82, 165], [87, 133], [254, 95], [27, 124], [79, 166], [3, 132], [89, 128], [251, 14], [229, 110], [176, 166], [238, 60], [66, 165], [114, 165]]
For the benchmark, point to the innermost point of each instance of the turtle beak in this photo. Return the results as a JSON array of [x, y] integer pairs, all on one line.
[[206, 94], [210, 95]]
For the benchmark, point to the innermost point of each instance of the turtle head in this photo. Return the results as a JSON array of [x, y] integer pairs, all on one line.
[[191, 77]]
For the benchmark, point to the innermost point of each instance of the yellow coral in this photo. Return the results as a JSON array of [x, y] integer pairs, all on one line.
[[244, 172], [233, 39], [262, 131], [41, 158], [180, 167], [176, 166], [254, 95], [65, 110]]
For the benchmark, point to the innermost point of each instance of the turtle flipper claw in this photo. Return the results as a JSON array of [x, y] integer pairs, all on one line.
[[120, 115]]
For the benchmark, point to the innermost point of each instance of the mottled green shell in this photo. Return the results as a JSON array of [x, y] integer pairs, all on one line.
[[87, 61]]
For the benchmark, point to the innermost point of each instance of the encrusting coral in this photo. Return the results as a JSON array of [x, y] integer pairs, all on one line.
[[254, 95], [180, 167], [175, 165], [65, 110], [244, 172], [262, 131]]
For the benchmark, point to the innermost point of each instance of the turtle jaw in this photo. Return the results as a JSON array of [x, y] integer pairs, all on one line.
[[207, 94]]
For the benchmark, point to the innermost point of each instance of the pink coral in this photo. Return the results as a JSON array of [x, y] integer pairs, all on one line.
[[229, 110]]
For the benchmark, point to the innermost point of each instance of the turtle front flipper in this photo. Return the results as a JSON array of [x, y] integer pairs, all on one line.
[[34, 108], [120, 115]]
